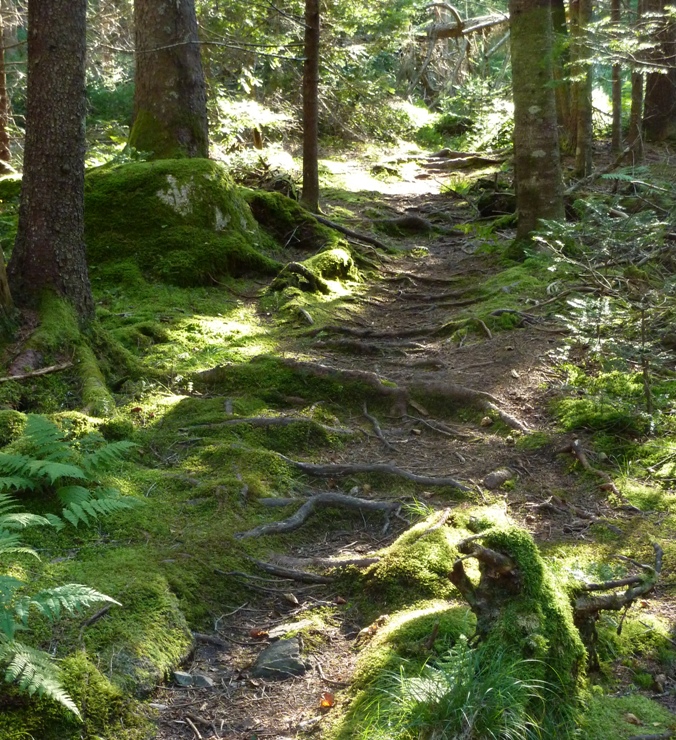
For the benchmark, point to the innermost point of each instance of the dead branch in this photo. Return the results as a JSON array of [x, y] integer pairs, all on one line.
[[575, 448], [295, 575], [41, 371], [376, 428], [299, 518], [465, 28], [327, 563]]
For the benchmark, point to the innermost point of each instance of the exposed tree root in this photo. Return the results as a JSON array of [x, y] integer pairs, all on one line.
[[378, 430], [269, 421], [364, 348], [316, 284], [294, 575], [353, 234], [584, 518], [344, 469], [299, 518], [398, 277], [444, 330]]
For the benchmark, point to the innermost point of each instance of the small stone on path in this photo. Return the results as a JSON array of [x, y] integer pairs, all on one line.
[[279, 661]]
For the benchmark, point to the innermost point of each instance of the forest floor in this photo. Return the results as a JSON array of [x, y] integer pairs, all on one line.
[[431, 283]]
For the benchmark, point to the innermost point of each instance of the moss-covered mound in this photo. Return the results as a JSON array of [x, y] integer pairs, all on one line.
[[183, 221]]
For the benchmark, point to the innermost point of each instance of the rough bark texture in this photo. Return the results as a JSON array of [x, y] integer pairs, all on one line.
[[635, 135], [170, 108], [539, 190], [49, 253], [659, 115], [310, 196]]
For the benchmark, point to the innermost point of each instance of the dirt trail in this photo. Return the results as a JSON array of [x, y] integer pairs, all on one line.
[[512, 365]]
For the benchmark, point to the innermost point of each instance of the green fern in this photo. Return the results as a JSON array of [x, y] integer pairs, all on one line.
[[42, 459]]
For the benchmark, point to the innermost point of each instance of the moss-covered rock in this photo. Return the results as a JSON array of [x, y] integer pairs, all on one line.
[[182, 221], [289, 223]]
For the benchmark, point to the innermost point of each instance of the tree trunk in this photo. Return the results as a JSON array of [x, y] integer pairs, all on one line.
[[561, 71], [5, 154], [583, 91], [616, 138], [659, 114], [635, 134], [170, 101], [539, 191], [49, 253], [310, 196]]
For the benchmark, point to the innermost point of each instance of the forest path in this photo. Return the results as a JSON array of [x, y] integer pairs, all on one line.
[[431, 285]]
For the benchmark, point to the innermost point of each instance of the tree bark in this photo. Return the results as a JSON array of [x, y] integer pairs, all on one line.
[[582, 90], [310, 196], [635, 134], [659, 114], [616, 138], [170, 100], [5, 154], [561, 71], [539, 190], [49, 253]]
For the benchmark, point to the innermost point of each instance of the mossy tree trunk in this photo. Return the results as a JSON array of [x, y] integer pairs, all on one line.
[[539, 189], [310, 196], [170, 102], [49, 253]]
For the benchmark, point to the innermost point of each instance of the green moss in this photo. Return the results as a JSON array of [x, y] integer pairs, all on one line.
[[289, 223], [12, 424], [96, 397], [182, 221], [414, 567], [59, 329], [606, 717], [10, 188], [154, 138]]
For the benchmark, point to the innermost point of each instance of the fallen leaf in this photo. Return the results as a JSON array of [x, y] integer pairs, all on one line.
[[515, 373], [326, 701], [632, 719], [339, 600], [291, 598], [257, 634], [137, 410]]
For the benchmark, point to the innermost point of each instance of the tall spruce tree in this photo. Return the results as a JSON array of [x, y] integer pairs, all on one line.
[[49, 253]]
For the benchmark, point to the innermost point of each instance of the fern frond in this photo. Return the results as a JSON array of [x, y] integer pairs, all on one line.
[[7, 503], [81, 504], [11, 543], [106, 456], [34, 672], [45, 439], [52, 471], [71, 598], [8, 585], [21, 520], [15, 464], [17, 482], [73, 494]]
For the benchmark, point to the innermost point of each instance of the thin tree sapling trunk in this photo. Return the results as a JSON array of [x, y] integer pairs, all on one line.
[[583, 91], [5, 154], [310, 195], [616, 137]]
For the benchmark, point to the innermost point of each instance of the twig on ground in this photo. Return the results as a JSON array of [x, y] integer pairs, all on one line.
[[376, 428], [575, 448], [296, 575], [41, 371]]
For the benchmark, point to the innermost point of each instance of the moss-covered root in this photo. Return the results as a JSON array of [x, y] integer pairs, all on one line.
[[523, 610], [312, 274], [96, 397]]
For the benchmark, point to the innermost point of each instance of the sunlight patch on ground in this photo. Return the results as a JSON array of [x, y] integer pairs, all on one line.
[[353, 177]]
